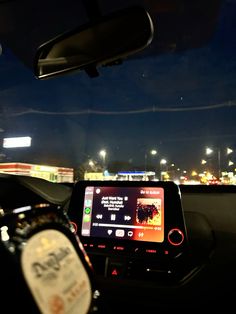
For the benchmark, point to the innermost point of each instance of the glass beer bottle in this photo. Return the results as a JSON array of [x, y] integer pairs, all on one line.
[[44, 268]]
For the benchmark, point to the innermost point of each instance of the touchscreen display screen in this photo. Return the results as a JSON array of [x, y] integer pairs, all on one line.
[[129, 213]]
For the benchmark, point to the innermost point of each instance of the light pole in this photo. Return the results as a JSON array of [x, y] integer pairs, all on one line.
[[103, 154], [152, 152], [228, 152], [163, 162], [209, 151], [91, 164]]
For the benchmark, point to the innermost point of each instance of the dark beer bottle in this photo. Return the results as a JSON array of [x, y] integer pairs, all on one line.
[[44, 268]]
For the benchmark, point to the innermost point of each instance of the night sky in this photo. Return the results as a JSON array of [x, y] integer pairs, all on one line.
[[177, 103]]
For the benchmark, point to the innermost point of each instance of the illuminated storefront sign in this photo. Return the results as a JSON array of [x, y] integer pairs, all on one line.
[[53, 174]]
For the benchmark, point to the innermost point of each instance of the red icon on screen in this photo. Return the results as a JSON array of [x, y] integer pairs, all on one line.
[[114, 272]]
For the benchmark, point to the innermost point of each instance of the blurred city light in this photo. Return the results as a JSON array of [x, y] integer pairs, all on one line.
[[209, 151], [229, 150], [91, 163], [103, 153], [153, 152], [14, 142], [163, 161]]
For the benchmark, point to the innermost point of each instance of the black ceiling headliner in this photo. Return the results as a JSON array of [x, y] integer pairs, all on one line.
[[178, 24]]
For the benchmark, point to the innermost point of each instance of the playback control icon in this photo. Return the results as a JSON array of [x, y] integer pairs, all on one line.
[[127, 218]]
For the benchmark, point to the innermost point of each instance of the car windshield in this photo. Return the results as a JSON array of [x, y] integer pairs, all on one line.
[[159, 115]]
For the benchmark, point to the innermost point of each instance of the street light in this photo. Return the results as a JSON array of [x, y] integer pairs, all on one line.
[[230, 163], [153, 152], [229, 150], [91, 163], [203, 161], [103, 154], [209, 151], [163, 162]]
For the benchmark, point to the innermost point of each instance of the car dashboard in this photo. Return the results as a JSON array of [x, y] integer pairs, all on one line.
[[189, 267]]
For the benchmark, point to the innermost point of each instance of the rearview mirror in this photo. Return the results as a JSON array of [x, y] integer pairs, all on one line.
[[106, 41]]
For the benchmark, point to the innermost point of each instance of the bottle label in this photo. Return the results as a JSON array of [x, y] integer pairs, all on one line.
[[55, 274]]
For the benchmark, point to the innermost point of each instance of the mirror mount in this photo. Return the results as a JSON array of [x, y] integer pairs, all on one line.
[[92, 9], [91, 71]]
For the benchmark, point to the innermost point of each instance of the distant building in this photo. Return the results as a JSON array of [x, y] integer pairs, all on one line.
[[100, 176], [136, 176], [50, 173], [93, 176]]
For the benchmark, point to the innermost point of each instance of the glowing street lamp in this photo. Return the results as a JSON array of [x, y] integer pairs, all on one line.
[[153, 152], [203, 162], [91, 163], [229, 150], [103, 154], [209, 151], [163, 161]]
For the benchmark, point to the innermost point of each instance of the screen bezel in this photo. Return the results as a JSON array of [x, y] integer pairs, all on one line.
[[174, 217]]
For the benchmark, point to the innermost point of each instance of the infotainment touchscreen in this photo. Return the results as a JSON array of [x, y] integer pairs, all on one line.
[[129, 213]]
